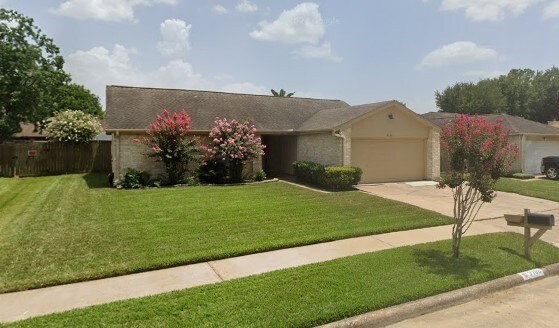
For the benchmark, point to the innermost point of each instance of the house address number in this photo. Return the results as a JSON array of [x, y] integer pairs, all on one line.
[[531, 274]]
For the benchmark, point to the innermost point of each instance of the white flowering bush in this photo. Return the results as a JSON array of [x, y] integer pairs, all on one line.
[[73, 126]]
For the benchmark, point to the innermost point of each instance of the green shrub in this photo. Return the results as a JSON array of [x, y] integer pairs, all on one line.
[[329, 177], [309, 172], [522, 176], [260, 176], [212, 171], [133, 179], [340, 177]]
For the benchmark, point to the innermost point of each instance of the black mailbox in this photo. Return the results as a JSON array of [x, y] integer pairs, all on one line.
[[547, 220]]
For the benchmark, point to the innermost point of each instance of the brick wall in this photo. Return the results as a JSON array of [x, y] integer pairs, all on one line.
[[323, 148], [129, 154]]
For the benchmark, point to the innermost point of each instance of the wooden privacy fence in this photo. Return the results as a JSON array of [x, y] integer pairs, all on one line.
[[47, 158]]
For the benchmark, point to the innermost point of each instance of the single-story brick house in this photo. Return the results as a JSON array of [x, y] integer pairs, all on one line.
[[385, 139], [534, 140]]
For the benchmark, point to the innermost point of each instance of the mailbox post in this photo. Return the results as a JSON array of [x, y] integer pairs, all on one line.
[[542, 222]]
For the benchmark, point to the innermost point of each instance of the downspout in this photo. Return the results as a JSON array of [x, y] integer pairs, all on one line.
[[339, 134]]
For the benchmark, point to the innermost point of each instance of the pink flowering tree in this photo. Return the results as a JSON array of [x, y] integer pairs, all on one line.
[[479, 154], [233, 143], [170, 143]]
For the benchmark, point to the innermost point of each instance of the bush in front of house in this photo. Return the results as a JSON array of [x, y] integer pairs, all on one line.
[[170, 143], [308, 172], [232, 144], [73, 126], [328, 177], [340, 177], [132, 179]]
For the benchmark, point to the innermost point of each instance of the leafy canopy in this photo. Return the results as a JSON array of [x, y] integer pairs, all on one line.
[[33, 84], [30, 73], [531, 94], [76, 97]]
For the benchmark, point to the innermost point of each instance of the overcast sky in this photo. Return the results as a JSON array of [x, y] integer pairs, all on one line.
[[358, 51]]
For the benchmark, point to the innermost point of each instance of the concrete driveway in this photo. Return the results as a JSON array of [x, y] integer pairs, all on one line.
[[425, 194]]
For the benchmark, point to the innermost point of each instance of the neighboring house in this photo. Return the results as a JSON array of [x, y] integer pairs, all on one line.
[[29, 133], [387, 140], [534, 140]]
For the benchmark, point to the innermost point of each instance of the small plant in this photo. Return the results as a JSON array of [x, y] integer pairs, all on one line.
[[73, 126], [259, 176], [212, 171], [191, 181], [132, 179]]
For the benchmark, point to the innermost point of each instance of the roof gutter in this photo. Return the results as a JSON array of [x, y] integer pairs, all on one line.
[[282, 132]]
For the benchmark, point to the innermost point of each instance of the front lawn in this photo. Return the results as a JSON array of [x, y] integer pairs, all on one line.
[[546, 189], [319, 293], [70, 228]]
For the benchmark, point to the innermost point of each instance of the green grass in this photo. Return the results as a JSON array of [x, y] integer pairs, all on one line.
[[70, 228], [319, 293], [546, 189]]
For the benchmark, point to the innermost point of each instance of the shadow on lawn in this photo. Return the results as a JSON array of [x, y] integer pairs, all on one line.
[[96, 180], [521, 255], [444, 264]]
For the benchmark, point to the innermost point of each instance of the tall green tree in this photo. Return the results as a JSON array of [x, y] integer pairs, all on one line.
[[516, 88], [522, 92], [484, 97], [281, 93], [544, 100], [76, 97], [31, 73]]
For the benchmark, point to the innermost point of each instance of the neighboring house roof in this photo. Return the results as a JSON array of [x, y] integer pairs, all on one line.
[[28, 131], [513, 124], [133, 108]]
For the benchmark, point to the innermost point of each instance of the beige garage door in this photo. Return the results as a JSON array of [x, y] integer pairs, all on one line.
[[389, 160]]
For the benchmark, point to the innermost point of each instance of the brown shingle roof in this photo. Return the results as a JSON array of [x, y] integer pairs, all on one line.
[[331, 118], [132, 108], [513, 124]]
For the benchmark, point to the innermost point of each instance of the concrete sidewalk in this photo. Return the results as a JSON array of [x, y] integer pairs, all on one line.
[[26, 304]]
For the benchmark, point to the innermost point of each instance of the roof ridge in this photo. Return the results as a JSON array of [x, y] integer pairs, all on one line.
[[220, 92]]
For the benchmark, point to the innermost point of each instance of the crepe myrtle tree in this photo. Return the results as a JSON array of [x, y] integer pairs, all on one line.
[[479, 154], [170, 143], [233, 143]]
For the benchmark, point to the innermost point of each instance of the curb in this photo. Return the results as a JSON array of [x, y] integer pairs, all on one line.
[[397, 313]]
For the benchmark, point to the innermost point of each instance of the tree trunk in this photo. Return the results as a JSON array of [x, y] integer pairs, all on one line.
[[456, 239], [236, 171]]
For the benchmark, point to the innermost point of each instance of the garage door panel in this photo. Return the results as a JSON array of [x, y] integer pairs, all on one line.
[[534, 151], [389, 160]]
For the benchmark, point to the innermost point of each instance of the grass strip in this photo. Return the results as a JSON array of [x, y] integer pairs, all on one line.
[[545, 189], [319, 293], [70, 228]]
